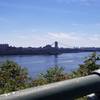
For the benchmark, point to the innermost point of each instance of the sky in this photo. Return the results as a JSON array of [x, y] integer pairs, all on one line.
[[73, 23]]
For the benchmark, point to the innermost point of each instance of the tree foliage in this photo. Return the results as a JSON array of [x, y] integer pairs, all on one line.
[[12, 77], [53, 74], [90, 64]]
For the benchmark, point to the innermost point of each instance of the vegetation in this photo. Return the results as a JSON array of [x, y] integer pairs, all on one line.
[[13, 77], [90, 64], [53, 74]]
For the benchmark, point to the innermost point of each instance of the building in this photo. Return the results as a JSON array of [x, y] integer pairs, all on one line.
[[4, 46], [56, 44]]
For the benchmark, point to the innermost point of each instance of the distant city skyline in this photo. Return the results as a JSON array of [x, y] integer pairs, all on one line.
[[35, 23]]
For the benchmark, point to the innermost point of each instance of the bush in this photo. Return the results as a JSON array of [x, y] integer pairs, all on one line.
[[53, 74], [89, 65], [13, 77]]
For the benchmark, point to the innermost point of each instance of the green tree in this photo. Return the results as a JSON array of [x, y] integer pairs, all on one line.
[[53, 74], [13, 77], [90, 64]]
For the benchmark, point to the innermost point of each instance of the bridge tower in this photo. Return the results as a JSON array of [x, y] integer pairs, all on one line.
[[56, 44]]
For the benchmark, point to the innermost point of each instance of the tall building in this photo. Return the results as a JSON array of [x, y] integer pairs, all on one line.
[[56, 44]]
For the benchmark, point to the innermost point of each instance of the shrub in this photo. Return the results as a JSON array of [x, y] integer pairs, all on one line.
[[89, 65], [53, 74], [13, 77]]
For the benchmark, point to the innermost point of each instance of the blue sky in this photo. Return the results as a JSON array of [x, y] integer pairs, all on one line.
[[38, 22]]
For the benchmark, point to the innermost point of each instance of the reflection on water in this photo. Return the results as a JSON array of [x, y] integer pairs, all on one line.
[[38, 64], [55, 60]]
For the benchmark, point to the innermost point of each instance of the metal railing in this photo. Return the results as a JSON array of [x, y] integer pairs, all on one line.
[[64, 90]]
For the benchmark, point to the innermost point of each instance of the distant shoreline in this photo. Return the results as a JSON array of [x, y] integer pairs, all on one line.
[[5, 49], [46, 54]]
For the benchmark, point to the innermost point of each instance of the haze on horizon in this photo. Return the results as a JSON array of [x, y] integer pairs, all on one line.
[[74, 23]]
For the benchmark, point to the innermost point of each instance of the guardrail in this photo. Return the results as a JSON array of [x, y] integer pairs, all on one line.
[[64, 90]]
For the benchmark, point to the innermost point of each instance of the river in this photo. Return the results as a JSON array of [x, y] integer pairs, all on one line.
[[38, 64]]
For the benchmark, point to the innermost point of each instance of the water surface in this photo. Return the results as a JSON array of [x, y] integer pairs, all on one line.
[[38, 64]]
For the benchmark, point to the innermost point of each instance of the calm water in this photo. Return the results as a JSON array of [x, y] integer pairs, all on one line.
[[38, 64]]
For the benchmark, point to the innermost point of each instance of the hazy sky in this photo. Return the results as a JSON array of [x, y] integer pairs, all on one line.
[[39, 22]]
